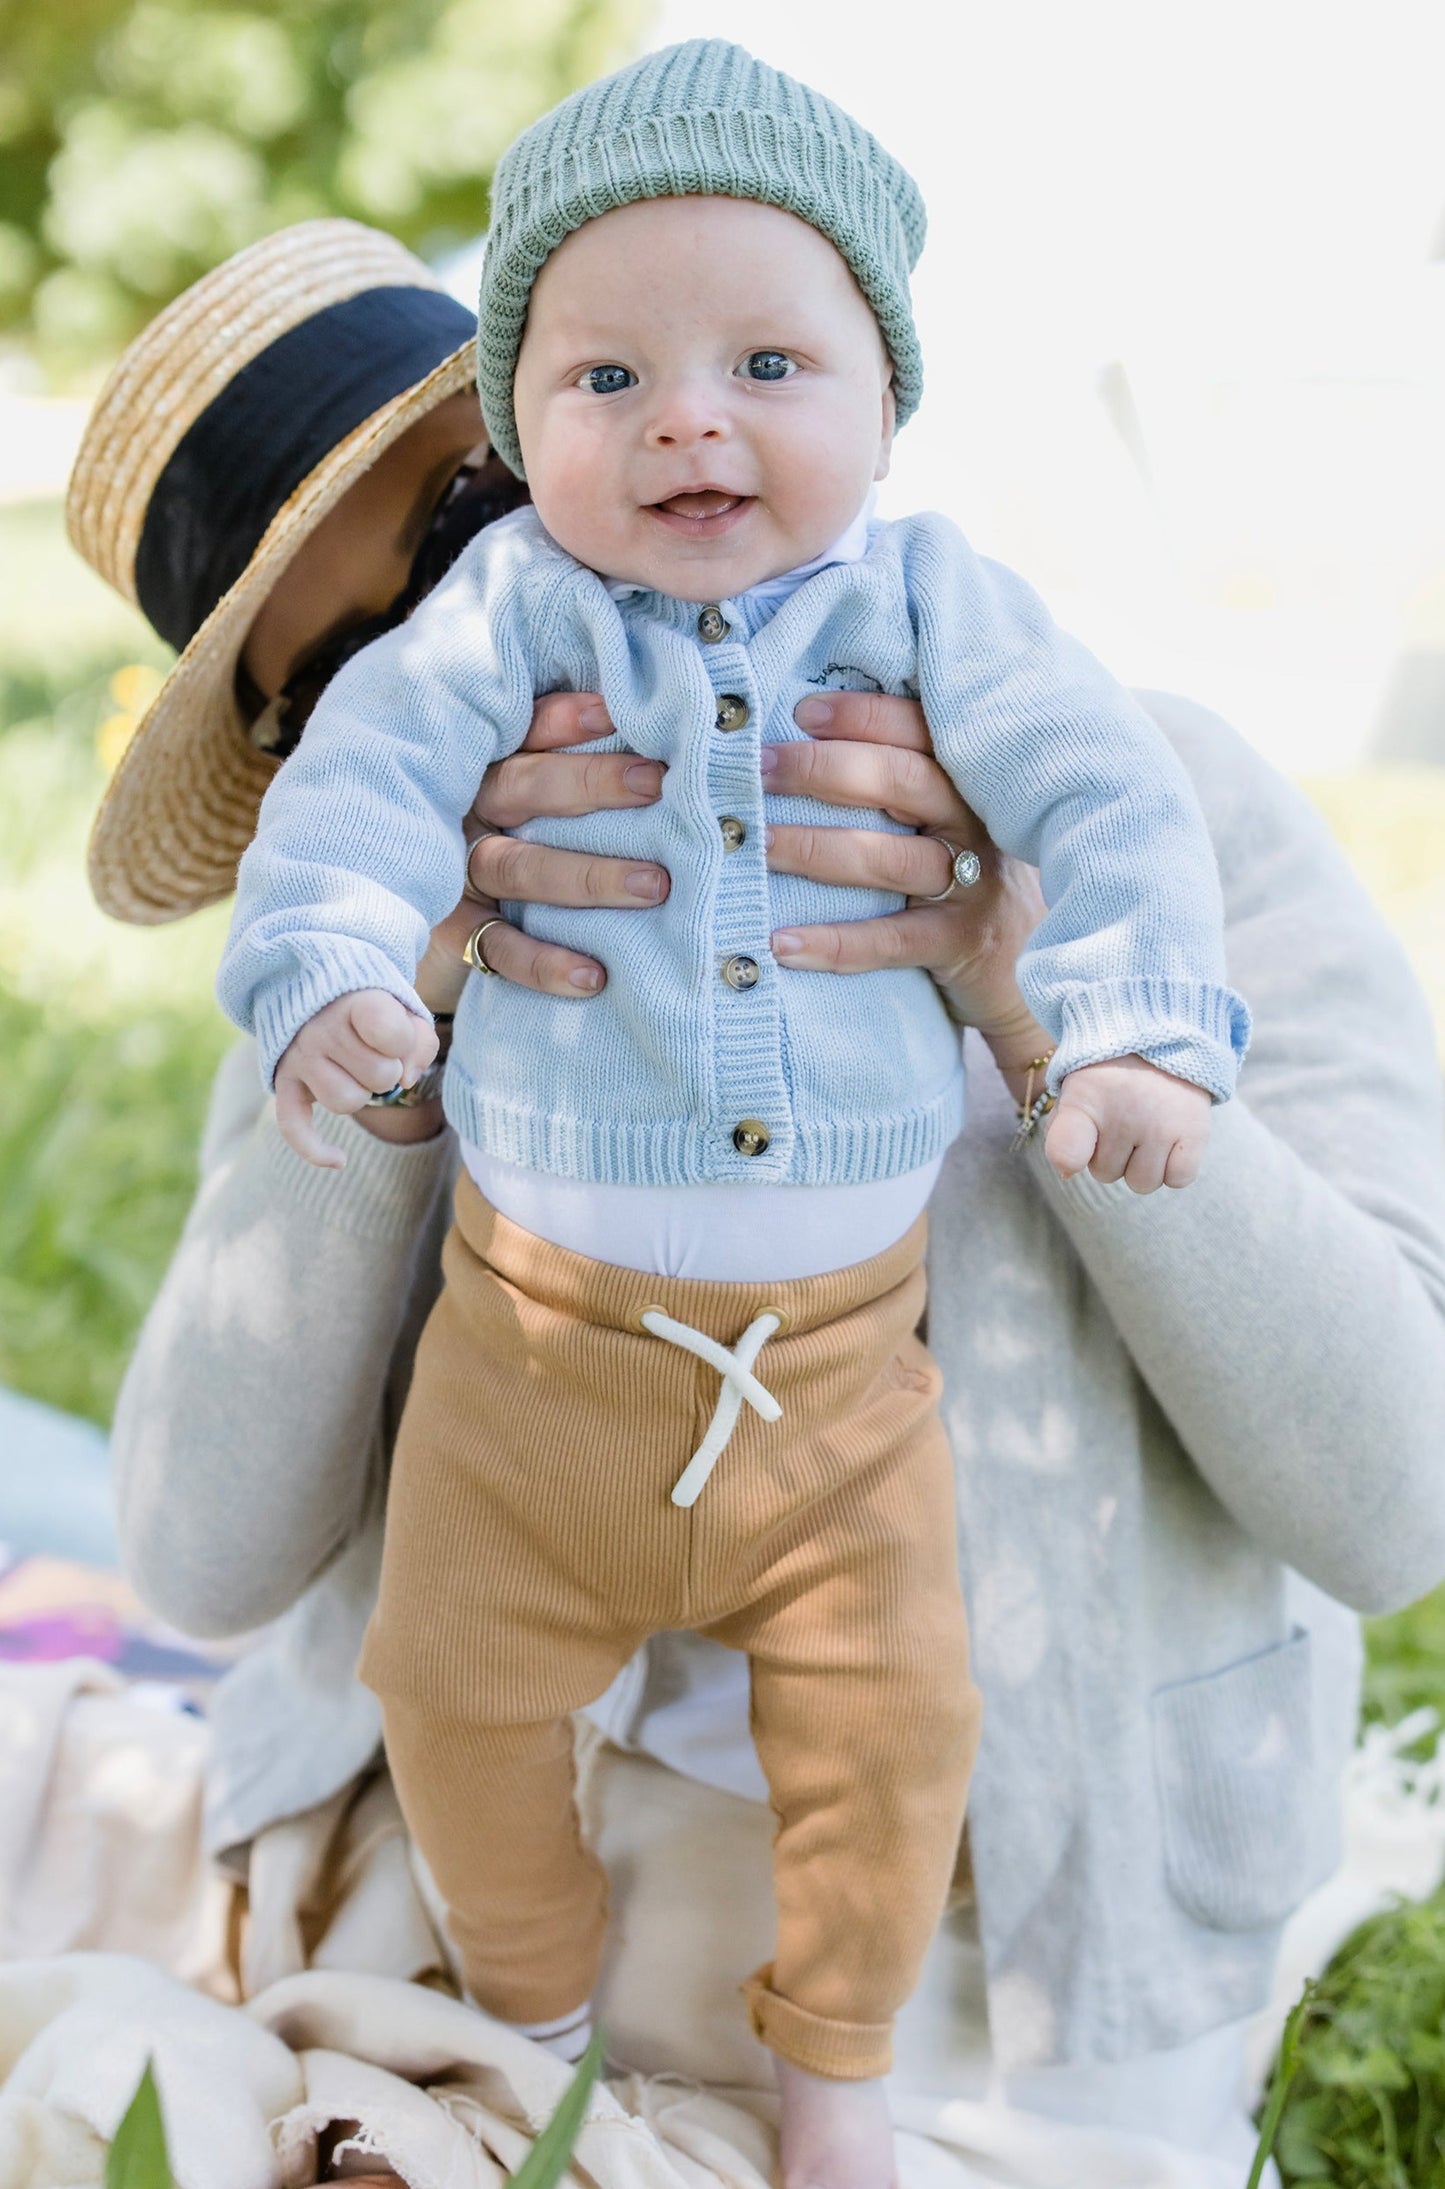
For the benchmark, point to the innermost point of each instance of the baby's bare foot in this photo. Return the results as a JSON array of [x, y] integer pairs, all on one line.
[[833, 2135]]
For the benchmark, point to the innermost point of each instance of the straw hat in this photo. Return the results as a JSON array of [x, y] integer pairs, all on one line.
[[224, 435]]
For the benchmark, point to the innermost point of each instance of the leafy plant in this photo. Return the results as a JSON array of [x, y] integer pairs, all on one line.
[[1286, 2067], [1358, 2100], [138, 2157], [546, 2162]]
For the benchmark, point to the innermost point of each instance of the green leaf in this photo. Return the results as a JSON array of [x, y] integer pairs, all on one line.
[[1286, 2068], [138, 2157], [546, 2162]]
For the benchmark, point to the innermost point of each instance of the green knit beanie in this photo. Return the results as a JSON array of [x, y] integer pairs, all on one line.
[[702, 119]]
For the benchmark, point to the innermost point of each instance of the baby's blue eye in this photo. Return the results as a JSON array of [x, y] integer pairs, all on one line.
[[769, 365], [609, 379]]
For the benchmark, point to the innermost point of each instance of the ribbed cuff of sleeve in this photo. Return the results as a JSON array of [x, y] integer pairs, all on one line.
[[283, 1006], [386, 1191], [1194, 1029]]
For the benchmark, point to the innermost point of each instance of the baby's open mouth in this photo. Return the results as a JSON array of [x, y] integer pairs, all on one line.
[[703, 506]]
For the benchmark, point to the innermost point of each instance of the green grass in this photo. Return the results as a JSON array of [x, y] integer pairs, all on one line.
[[97, 1150], [109, 1035]]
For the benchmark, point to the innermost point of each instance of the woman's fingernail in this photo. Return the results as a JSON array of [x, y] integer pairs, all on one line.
[[644, 775], [767, 839], [787, 943], [594, 719], [587, 978], [813, 714], [644, 882], [767, 761]]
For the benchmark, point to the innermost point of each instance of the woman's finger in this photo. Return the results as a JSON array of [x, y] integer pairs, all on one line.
[[869, 718], [918, 866], [543, 966], [920, 935], [566, 718], [529, 786], [505, 866], [910, 786]]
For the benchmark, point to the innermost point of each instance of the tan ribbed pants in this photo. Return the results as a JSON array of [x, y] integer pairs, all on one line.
[[531, 1546]]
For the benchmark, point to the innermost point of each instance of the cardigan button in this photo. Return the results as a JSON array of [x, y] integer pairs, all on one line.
[[712, 625], [751, 1137], [733, 712], [734, 835], [741, 972]]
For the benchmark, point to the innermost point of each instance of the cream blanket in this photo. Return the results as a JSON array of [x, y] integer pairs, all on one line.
[[118, 1944]]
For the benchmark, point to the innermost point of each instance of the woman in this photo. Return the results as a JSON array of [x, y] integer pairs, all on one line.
[[1164, 1412]]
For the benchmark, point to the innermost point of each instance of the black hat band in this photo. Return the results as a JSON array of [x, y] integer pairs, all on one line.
[[243, 458]]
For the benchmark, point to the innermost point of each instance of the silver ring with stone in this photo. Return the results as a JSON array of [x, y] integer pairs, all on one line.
[[967, 869]]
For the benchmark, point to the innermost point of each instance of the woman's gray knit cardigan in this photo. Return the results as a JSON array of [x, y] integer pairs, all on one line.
[[1158, 1407]]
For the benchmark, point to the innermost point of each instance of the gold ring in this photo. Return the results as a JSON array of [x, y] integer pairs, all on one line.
[[473, 949], [966, 869]]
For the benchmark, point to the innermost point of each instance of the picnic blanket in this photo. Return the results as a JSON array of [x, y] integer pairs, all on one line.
[[119, 1943], [448, 2098]]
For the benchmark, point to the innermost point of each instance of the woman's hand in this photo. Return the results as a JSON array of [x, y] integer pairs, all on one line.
[[544, 778], [865, 749]]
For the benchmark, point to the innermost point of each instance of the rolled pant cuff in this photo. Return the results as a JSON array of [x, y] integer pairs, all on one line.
[[851, 2052]]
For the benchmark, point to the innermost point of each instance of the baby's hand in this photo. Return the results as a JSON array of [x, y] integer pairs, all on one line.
[[360, 1045], [1127, 1119]]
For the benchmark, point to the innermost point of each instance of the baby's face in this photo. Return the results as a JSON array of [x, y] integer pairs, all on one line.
[[702, 395]]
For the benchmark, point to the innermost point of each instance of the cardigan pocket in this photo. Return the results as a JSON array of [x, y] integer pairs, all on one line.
[[1234, 1769]]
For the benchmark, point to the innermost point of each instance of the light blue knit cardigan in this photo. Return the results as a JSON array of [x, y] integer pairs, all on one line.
[[359, 853]]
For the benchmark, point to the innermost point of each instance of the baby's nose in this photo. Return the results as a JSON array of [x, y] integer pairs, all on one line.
[[682, 420]]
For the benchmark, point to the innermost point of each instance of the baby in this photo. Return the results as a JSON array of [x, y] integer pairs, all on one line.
[[696, 341]]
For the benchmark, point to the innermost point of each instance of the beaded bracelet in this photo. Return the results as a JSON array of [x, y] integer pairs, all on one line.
[[1033, 1107]]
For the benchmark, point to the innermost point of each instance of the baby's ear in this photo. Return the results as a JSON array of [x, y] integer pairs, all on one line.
[[890, 427]]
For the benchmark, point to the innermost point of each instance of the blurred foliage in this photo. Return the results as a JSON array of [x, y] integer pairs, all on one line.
[[110, 1034], [1405, 1662], [1365, 2101], [142, 141], [98, 1140]]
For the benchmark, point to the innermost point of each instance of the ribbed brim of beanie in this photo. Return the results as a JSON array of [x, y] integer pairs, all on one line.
[[702, 119]]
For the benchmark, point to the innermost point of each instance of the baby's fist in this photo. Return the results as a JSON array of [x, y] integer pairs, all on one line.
[[360, 1045], [1128, 1119]]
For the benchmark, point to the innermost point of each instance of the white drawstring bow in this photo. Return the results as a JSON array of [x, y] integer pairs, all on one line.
[[739, 1383]]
